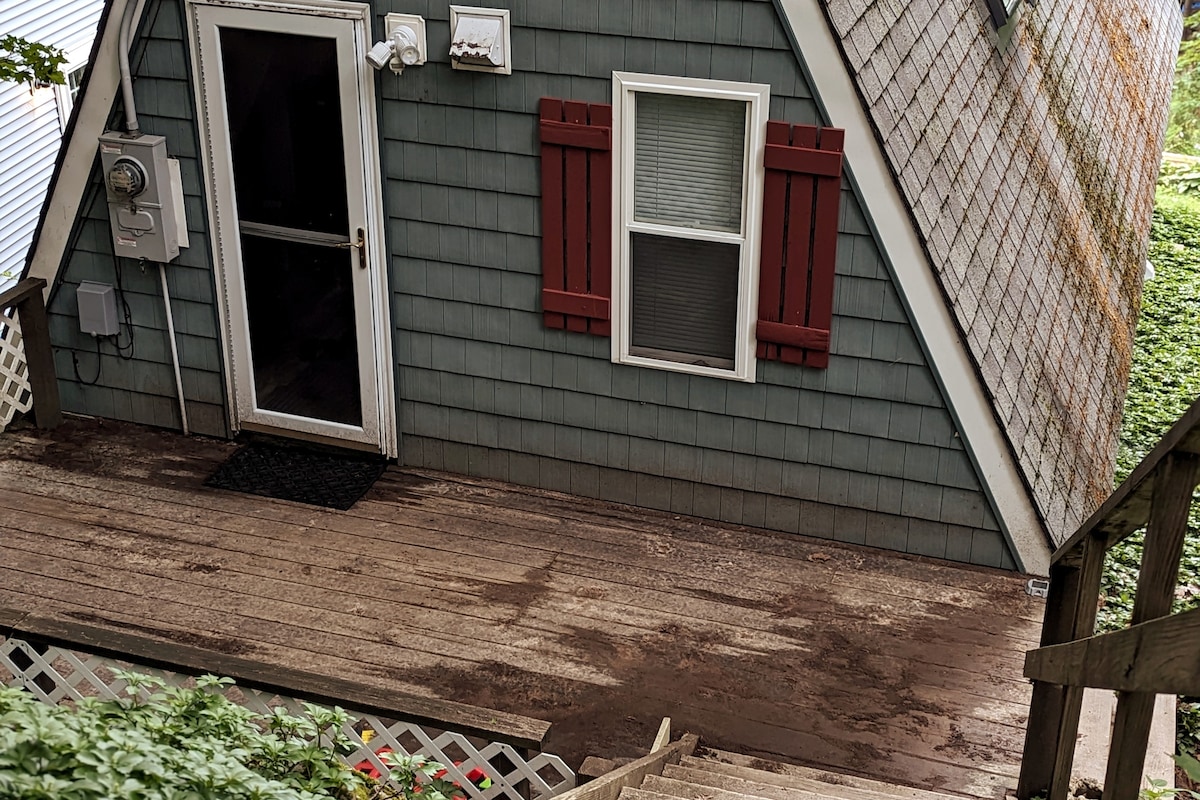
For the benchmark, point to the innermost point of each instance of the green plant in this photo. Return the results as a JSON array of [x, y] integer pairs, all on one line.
[[1191, 768], [1183, 124], [30, 62], [1187, 727], [181, 744], [1164, 381], [1160, 789], [415, 777], [1181, 177]]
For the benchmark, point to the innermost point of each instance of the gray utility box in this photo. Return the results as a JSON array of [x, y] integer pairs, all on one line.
[[97, 309], [145, 196]]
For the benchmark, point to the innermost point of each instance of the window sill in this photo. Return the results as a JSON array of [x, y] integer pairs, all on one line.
[[746, 376]]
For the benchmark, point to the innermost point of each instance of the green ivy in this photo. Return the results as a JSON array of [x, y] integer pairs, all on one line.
[[185, 744], [1164, 381], [23, 61]]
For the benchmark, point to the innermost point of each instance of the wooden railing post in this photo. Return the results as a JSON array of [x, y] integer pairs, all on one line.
[[1174, 481], [39, 357], [1054, 710], [26, 299]]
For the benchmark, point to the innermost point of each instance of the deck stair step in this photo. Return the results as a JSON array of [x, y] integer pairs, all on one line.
[[681, 786], [718, 775], [820, 781]]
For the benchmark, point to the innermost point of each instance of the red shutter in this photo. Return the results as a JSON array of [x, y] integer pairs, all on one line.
[[801, 198], [576, 215]]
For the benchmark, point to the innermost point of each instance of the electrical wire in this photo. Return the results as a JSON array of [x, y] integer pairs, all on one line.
[[75, 365], [125, 352]]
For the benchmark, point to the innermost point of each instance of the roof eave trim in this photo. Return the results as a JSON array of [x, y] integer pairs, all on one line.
[[73, 170], [821, 58]]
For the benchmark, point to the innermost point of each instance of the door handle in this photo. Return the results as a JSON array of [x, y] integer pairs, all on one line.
[[360, 245]]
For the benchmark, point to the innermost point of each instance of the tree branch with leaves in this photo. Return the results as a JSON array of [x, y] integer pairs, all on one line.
[[23, 61]]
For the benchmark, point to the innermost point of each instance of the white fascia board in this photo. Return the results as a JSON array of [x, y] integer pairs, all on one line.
[[918, 286], [70, 182]]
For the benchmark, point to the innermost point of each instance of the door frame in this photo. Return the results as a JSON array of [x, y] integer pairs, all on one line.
[[224, 252]]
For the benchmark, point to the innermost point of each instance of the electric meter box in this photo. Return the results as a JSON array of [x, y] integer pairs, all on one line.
[[145, 196]]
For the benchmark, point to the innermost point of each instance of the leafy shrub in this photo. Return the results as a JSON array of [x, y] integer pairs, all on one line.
[[184, 744], [1180, 177], [1164, 381]]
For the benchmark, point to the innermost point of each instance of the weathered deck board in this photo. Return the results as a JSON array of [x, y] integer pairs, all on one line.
[[718, 607], [598, 617]]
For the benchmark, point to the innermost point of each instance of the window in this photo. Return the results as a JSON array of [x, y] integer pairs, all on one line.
[[67, 93], [688, 187], [1002, 11], [696, 194]]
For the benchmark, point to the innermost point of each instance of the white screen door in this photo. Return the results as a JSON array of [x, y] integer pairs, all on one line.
[[289, 123]]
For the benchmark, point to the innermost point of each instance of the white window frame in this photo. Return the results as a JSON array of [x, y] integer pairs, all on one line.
[[62, 93], [757, 96]]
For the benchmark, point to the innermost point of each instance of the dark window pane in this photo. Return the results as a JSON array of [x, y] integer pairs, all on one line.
[[684, 300], [300, 302], [285, 129]]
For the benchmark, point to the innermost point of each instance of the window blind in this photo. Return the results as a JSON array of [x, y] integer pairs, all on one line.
[[684, 299], [688, 155]]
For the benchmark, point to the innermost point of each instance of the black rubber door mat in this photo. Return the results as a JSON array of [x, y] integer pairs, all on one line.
[[332, 480]]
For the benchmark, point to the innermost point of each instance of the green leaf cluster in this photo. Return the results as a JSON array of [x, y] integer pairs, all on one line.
[[1164, 381], [180, 744], [23, 61], [1180, 177], [1183, 123]]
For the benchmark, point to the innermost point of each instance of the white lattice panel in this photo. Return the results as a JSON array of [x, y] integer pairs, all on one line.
[[16, 397], [64, 675]]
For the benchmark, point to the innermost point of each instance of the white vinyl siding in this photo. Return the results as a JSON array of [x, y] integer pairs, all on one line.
[[688, 175], [30, 124]]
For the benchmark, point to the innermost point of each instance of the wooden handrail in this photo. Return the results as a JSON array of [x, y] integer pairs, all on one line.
[[17, 294], [1159, 654], [609, 785], [519, 731], [27, 298]]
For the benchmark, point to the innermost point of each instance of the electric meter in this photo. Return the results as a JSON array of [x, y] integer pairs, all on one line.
[[127, 177], [145, 196]]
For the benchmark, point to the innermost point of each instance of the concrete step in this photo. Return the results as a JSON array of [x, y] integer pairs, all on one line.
[[831, 784]]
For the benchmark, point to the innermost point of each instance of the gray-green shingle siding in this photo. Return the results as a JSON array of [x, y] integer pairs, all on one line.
[[140, 386], [863, 452]]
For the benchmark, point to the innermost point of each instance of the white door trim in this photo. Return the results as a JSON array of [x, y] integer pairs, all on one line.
[[947, 353], [384, 434]]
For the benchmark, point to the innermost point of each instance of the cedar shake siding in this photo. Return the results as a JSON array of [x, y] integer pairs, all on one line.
[[1029, 169], [138, 385], [1034, 217], [863, 451]]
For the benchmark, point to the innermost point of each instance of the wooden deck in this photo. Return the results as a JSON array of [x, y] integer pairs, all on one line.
[[598, 617]]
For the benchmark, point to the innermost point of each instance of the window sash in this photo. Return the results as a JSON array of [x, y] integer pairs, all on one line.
[[755, 97], [688, 174], [683, 299]]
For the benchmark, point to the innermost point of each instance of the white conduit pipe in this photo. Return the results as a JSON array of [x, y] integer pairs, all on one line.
[[162, 273], [132, 129], [131, 121]]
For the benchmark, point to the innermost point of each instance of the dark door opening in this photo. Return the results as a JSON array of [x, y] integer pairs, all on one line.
[[285, 130]]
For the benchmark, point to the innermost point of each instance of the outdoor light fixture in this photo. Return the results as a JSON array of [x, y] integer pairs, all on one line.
[[405, 45]]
